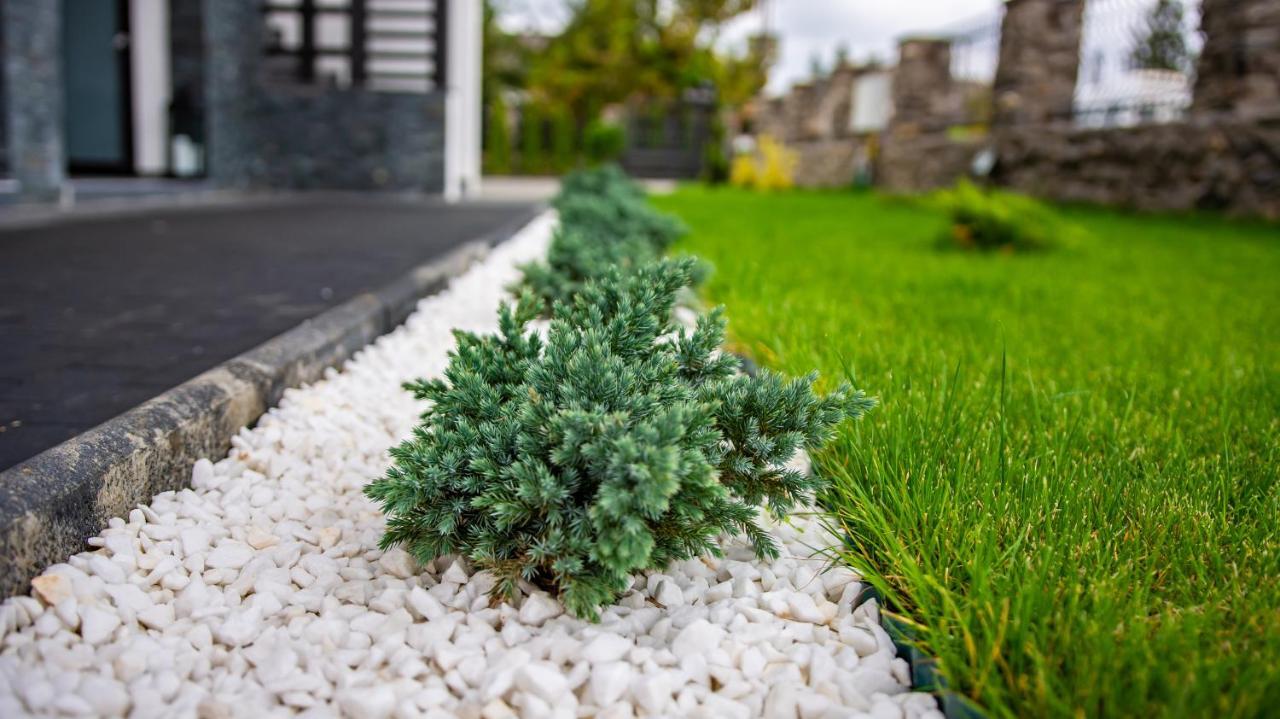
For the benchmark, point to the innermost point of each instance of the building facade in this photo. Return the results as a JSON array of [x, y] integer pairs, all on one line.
[[279, 94]]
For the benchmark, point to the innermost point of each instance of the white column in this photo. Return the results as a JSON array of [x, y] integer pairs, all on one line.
[[150, 76], [462, 136]]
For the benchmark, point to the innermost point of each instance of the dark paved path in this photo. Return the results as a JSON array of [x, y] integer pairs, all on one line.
[[99, 315]]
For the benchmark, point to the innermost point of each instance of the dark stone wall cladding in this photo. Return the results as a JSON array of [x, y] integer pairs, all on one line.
[[272, 133], [351, 140], [186, 58]]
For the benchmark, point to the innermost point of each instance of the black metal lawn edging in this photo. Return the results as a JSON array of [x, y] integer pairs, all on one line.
[[925, 676]]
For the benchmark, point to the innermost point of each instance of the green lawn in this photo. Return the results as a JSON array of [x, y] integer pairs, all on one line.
[[1071, 481]]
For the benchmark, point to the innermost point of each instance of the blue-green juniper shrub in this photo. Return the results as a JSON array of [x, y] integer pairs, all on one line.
[[615, 445], [605, 223]]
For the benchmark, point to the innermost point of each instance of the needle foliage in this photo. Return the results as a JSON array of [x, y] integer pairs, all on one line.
[[618, 443], [606, 222]]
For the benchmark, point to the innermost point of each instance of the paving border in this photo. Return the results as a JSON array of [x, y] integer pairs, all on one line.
[[51, 503]]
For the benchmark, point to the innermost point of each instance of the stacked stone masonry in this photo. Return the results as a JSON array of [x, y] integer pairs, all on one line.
[[1226, 166], [1224, 156]]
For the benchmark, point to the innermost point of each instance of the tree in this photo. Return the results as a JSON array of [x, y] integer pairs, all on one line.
[[1161, 44], [497, 141]]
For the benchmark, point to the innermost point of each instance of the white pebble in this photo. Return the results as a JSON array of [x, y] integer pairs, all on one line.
[[97, 624], [538, 608], [229, 555]]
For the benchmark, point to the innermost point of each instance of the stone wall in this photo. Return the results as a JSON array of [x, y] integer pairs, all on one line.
[[1239, 66], [265, 132], [924, 96], [830, 163], [919, 163], [1228, 166], [1039, 57], [1225, 156]]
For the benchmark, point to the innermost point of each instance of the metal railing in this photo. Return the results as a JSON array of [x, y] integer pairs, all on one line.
[[1137, 62], [393, 45]]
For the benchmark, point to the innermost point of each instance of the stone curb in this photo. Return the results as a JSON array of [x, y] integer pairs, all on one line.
[[51, 503]]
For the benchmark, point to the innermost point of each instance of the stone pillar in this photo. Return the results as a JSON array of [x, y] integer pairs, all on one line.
[[922, 86], [1238, 72], [4, 113], [1035, 82], [32, 69], [233, 41]]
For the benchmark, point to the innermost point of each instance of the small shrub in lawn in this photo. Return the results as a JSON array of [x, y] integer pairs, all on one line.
[[615, 445], [993, 220]]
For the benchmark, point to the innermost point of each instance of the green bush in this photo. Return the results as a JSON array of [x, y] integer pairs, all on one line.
[[992, 220], [607, 180], [614, 215], [605, 222], [603, 142], [614, 446], [574, 258]]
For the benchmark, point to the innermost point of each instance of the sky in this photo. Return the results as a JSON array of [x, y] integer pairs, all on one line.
[[869, 28]]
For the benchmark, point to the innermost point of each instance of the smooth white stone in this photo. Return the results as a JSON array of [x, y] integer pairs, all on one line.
[[699, 637], [376, 702], [106, 697], [398, 563], [497, 709], [109, 571], [229, 555], [202, 473], [609, 682], [239, 628], [157, 617], [605, 648], [538, 608], [97, 624], [652, 692], [543, 680], [260, 539], [426, 605], [669, 594]]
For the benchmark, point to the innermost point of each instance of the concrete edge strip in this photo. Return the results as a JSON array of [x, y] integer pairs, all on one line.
[[51, 503]]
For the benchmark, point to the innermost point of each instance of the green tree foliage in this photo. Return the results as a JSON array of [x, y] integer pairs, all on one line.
[[1161, 45], [563, 135], [497, 144], [616, 445], [533, 147], [614, 52]]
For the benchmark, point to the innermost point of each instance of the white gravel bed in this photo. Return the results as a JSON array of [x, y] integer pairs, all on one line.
[[260, 591]]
